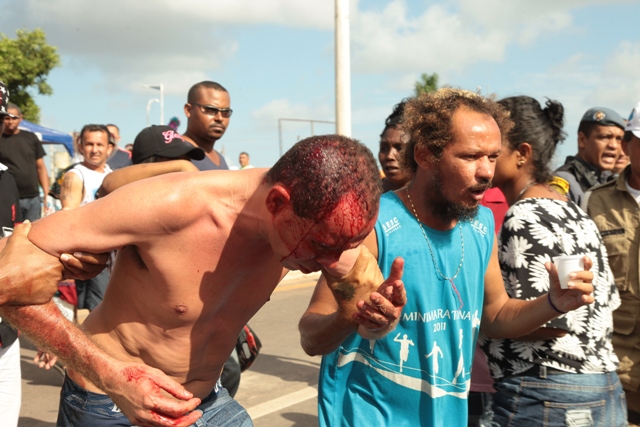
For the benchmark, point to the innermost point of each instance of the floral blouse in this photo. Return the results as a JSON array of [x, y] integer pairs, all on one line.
[[534, 231]]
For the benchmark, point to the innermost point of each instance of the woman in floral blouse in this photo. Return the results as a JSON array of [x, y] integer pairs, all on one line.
[[565, 372]]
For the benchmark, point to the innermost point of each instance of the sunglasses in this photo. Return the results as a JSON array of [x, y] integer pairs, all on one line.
[[212, 111]]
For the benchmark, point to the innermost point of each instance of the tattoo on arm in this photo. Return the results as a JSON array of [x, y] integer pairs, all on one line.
[[344, 291]]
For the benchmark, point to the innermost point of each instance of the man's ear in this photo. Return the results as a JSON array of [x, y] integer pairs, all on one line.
[[582, 141], [423, 156], [278, 197], [187, 110]]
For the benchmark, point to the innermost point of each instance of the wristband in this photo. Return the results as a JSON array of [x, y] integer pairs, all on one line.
[[553, 306]]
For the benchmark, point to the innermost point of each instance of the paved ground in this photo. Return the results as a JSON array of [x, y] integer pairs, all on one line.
[[279, 390]]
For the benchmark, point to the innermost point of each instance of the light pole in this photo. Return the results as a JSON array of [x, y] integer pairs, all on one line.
[[151, 101], [343, 68], [159, 87]]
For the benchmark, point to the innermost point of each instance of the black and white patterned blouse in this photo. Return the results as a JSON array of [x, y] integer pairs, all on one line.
[[534, 231]]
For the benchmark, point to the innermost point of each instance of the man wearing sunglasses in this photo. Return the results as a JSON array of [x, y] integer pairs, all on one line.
[[208, 112]]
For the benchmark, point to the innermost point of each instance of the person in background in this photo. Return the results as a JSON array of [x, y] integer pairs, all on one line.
[[79, 187], [244, 160], [119, 157], [599, 136], [10, 214], [568, 363], [615, 208], [392, 142], [21, 151], [208, 110]]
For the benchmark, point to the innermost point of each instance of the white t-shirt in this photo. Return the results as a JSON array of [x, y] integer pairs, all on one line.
[[92, 181]]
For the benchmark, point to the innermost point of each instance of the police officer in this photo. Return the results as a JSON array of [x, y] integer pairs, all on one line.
[[615, 209], [599, 137]]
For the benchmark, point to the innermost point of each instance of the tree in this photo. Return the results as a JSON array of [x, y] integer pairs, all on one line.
[[25, 62], [427, 83]]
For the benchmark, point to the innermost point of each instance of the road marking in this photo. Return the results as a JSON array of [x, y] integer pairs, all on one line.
[[283, 402], [282, 288]]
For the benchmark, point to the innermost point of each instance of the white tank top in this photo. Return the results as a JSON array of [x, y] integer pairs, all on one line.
[[92, 181]]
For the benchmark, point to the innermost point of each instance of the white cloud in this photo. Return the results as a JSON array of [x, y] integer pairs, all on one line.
[[452, 36]]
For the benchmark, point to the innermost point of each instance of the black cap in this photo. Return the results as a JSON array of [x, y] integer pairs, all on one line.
[[603, 116], [162, 141], [4, 100]]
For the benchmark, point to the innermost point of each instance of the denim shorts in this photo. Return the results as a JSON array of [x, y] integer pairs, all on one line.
[[82, 408], [559, 400]]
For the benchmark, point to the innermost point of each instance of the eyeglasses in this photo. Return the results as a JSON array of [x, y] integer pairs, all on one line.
[[212, 111]]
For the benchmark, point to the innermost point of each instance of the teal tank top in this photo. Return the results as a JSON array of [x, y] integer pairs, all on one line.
[[418, 374]]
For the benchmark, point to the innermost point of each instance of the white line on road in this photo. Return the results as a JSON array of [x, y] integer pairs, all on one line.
[[275, 405]]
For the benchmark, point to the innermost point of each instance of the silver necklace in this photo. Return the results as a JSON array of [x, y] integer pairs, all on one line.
[[526, 187], [433, 258]]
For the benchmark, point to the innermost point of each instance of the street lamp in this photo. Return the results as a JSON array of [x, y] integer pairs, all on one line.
[[151, 101], [159, 87]]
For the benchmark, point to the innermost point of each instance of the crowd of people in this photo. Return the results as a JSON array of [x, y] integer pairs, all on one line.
[[419, 287]]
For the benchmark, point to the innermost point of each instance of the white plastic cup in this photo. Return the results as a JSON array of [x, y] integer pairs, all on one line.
[[567, 264]]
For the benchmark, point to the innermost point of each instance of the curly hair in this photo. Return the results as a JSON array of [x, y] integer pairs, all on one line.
[[427, 119]]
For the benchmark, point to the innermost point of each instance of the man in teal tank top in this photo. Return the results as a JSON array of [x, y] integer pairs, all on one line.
[[406, 362]]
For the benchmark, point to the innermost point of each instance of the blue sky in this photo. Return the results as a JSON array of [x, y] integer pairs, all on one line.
[[276, 59]]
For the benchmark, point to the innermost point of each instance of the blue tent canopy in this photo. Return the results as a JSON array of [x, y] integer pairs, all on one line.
[[49, 136]]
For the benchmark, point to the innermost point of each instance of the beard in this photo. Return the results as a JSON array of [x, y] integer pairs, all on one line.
[[447, 210]]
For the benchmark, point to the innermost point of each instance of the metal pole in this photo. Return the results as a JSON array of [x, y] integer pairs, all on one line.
[[280, 134], [151, 101], [162, 104], [343, 68], [311, 127]]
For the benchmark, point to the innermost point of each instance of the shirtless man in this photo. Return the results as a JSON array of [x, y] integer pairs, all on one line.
[[180, 290]]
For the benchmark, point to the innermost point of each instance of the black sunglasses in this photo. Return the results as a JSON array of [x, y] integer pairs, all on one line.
[[210, 110]]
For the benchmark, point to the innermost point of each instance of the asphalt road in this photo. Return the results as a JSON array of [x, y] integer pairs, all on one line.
[[280, 389]]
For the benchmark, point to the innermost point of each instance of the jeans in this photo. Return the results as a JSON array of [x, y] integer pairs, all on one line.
[[90, 292], [82, 408], [559, 400], [31, 208]]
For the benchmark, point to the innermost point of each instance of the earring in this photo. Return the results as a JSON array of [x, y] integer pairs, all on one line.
[[521, 162]]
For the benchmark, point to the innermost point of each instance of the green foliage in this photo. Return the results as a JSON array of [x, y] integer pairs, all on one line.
[[25, 63], [427, 83]]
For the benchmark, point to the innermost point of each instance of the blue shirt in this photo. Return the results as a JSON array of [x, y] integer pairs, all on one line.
[[418, 374]]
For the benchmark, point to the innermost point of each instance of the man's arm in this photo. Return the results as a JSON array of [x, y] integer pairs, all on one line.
[[43, 176], [71, 191], [505, 317], [328, 321], [137, 389], [98, 227], [123, 176]]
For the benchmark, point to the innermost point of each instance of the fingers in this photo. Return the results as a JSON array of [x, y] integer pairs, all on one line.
[[170, 409], [22, 229], [172, 387], [89, 258], [184, 421], [588, 263], [397, 268]]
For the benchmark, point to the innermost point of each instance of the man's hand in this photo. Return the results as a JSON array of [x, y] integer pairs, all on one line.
[[381, 316], [83, 265], [144, 395], [580, 287], [28, 275], [45, 360]]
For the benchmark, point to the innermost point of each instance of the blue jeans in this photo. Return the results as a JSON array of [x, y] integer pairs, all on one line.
[[559, 400], [91, 292], [82, 408], [31, 208]]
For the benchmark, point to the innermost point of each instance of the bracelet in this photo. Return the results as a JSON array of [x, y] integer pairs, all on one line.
[[553, 306]]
